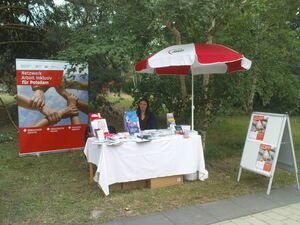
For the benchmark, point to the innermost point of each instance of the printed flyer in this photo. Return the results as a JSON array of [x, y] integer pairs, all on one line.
[[170, 120], [131, 122], [258, 127], [265, 157], [98, 124]]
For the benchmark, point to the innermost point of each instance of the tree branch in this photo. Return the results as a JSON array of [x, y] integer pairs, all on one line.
[[20, 42], [22, 27], [174, 31], [15, 7]]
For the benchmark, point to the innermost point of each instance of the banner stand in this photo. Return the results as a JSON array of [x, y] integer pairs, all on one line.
[[269, 144], [38, 154], [52, 98]]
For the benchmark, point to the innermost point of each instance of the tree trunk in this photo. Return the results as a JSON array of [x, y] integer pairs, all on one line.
[[205, 111], [249, 103], [177, 35]]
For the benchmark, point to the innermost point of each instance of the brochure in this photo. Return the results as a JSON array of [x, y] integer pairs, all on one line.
[[98, 124], [170, 120], [265, 157], [178, 129], [131, 122]]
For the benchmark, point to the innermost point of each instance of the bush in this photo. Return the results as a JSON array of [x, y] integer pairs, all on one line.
[[6, 138]]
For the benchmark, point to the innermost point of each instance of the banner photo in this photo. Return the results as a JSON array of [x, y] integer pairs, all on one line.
[[52, 99]]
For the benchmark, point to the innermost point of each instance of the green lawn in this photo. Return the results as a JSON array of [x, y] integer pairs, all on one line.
[[54, 189], [120, 104]]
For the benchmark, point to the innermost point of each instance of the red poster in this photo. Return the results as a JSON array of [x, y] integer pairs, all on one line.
[[52, 101], [265, 157], [258, 127]]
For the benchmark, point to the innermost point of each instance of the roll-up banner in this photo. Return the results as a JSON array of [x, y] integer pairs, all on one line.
[[52, 99]]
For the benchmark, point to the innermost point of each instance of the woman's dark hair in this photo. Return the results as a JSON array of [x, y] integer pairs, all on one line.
[[138, 111]]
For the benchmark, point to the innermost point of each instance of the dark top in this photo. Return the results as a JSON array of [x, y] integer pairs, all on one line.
[[149, 124]]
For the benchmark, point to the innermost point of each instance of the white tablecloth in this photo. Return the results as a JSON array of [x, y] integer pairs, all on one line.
[[131, 161]]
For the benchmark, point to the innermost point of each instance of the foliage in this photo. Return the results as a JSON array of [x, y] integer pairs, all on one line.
[[163, 94], [112, 35], [5, 138], [266, 36]]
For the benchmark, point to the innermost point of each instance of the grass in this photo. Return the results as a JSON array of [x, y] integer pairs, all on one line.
[[226, 137], [54, 189], [122, 103]]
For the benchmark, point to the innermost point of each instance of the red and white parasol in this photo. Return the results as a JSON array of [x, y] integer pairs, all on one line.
[[195, 59]]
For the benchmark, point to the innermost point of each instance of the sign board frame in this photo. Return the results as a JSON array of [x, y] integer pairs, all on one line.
[[269, 144]]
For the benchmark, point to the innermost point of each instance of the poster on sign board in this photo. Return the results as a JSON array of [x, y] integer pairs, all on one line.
[[52, 99], [265, 157], [258, 127]]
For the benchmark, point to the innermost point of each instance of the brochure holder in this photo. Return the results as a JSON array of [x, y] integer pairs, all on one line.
[[269, 144], [98, 125]]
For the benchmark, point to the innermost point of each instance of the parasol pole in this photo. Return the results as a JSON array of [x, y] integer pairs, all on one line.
[[193, 102]]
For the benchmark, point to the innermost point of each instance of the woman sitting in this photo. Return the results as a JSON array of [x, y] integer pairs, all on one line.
[[146, 118]]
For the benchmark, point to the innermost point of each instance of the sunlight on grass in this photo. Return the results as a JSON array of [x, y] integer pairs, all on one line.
[[120, 104]]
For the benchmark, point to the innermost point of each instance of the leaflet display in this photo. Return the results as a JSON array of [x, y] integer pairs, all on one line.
[[268, 145]]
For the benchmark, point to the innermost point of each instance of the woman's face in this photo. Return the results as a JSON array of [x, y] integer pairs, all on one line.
[[143, 106]]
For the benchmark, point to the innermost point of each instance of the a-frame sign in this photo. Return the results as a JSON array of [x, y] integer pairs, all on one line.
[[269, 144]]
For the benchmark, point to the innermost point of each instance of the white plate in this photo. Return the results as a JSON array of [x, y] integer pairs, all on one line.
[[139, 140]]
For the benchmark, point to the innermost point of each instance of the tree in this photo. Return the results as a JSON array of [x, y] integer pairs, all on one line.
[[112, 35], [19, 33]]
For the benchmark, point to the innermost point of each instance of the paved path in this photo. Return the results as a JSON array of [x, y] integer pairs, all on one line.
[[282, 206], [288, 215]]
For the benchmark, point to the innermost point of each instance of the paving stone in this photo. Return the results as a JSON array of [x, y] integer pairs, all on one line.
[[157, 219], [113, 223], [286, 215], [291, 222], [194, 215], [254, 203], [272, 214], [284, 197], [224, 209]]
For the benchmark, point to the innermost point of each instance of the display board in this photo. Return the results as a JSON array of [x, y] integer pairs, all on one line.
[[52, 99], [268, 145]]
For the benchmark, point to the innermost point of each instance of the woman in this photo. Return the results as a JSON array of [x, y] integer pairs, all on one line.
[[146, 118]]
